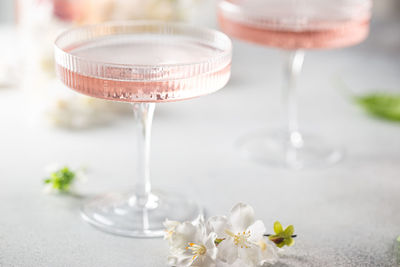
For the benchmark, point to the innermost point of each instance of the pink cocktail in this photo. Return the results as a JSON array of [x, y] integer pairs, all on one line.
[[294, 25], [166, 68], [142, 63]]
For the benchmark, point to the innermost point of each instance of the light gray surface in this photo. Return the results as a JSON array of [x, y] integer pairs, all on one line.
[[347, 215], [6, 10]]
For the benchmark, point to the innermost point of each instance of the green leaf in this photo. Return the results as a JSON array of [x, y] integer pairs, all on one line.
[[382, 105], [289, 242], [217, 241], [289, 230], [278, 227], [282, 237]]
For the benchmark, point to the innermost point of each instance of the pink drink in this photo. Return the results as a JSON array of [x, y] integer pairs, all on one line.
[[312, 24], [144, 68]]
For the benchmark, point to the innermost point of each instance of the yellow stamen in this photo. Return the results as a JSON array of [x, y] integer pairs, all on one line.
[[197, 250], [240, 239]]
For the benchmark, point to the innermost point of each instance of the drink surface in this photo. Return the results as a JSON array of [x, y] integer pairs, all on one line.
[[145, 50], [144, 67], [295, 24]]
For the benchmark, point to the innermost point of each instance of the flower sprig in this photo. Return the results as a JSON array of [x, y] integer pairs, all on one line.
[[282, 237], [61, 179], [234, 240]]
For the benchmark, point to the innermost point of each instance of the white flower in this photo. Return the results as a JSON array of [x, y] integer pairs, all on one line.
[[234, 241], [170, 228], [243, 237], [191, 244]]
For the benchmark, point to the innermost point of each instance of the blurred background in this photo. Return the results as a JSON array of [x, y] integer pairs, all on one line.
[[29, 29], [27, 49]]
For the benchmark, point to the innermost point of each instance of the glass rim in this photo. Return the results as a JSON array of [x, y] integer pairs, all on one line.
[[259, 19], [226, 50]]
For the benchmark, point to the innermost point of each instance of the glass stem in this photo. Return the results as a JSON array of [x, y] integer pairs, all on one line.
[[143, 113], [292, 70]]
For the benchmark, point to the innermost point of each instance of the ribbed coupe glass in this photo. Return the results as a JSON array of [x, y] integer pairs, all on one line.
[[144, 63], [294, 26]]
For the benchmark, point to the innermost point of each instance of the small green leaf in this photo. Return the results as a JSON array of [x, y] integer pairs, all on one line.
[[289, 242], [382, 105], [217, 241], [61, 179], [278, 227], [289, 230], [282, 237]]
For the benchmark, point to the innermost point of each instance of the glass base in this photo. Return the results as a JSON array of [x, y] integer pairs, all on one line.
[[273, 148], [120, 214]]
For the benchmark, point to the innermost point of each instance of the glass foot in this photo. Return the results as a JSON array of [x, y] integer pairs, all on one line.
[[120, 214], [275, 149]]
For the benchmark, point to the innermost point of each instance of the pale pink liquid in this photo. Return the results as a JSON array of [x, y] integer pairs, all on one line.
[[175, 68], [319, 33]]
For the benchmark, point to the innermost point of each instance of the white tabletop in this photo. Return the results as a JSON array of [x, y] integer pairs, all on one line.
[[346, 215]]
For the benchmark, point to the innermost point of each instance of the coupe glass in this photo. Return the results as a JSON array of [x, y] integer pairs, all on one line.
[[143, 63], [295, 26]]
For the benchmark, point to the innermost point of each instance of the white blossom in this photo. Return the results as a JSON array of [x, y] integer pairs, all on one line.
[[191, 244], [234, 241], [243, 238]]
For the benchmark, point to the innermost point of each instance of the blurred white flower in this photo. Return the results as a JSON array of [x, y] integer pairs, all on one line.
[[79, 111], [170, 229], [243, 238]]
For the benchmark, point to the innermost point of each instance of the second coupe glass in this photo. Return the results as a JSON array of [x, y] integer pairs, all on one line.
[[294, 25]]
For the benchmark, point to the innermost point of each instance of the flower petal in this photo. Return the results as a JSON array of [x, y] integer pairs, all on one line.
[[289, 230], [187, 229], [172, 260], [241, 217], [289, 242], [207, 261], [278, 227], [185, 260], [268, 253], [168, 224], [218, 224], [257, 231], [227, 251], [199, 220], [250, 256], [184, 233], [209, 242]]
